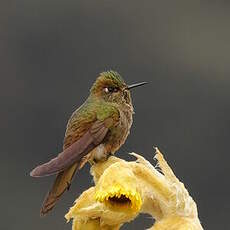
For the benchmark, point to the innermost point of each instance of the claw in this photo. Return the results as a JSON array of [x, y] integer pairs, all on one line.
[[109, 155]]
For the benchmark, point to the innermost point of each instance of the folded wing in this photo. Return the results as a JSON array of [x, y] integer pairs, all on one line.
[[74, 153]]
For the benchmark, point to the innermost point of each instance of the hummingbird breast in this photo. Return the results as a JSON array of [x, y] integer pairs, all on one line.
[[118, 134]]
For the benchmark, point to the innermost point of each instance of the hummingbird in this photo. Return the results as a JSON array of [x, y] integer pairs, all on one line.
[[96, 130]]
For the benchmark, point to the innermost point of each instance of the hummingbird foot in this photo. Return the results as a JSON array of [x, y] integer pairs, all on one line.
[[109, 155], [104, 158]]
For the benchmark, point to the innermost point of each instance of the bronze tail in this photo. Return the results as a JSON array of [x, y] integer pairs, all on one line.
[[61, 184]]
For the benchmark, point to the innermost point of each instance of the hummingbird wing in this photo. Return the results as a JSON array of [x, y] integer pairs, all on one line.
[[67, 163], [75, 152]]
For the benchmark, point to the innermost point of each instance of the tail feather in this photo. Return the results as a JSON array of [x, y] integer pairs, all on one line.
[[61, 184]]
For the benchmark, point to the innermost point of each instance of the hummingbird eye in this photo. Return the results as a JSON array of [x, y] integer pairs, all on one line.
[[111, 89]]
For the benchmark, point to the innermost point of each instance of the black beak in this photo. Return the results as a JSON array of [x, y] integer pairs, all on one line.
[[136, 85]]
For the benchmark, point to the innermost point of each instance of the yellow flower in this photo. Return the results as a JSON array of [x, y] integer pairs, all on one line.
[[124, 189], [119, 191]]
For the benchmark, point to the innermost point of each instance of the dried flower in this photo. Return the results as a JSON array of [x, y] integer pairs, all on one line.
[[124, 189]]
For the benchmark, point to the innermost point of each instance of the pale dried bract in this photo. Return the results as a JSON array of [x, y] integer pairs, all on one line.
[[124, 189]]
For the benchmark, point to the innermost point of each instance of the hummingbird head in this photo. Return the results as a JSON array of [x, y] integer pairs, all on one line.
[[111, 87]]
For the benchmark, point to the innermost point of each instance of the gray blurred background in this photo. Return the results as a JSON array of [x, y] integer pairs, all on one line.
[[51, 53]]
